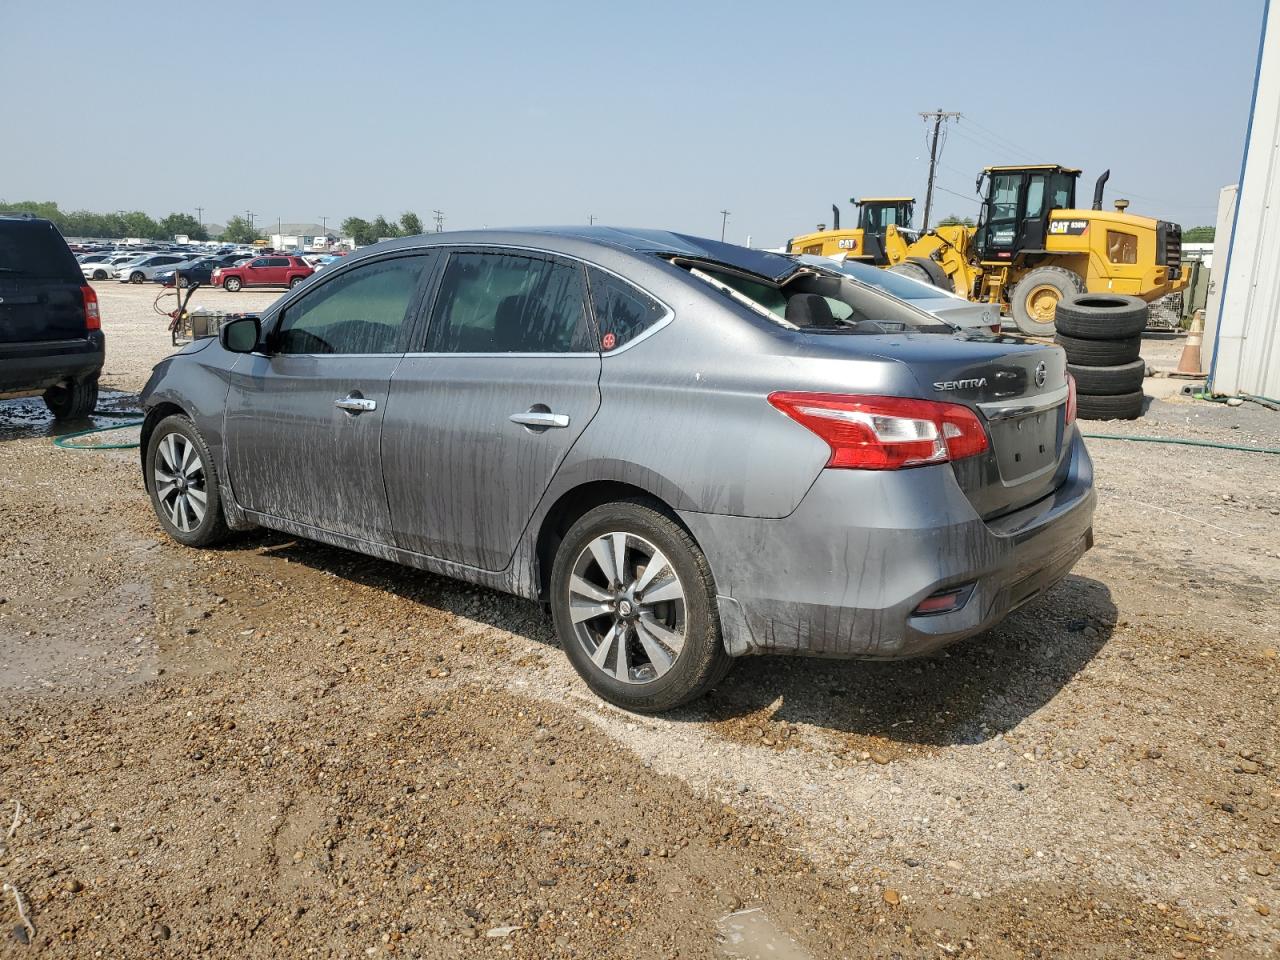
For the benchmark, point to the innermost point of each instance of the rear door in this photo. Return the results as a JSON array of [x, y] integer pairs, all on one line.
[[304, 420], [40, 282], [479, 421]]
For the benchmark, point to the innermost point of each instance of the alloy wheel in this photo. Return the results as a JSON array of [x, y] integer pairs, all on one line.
[[180, 482], [627, 606]]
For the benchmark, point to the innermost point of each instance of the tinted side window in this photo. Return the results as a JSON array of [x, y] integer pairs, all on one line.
[[360, 311], [622, 311], [277, 261], [499, 303], [260, 262]]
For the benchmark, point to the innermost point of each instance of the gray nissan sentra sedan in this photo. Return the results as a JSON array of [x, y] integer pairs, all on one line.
[[689, 450]]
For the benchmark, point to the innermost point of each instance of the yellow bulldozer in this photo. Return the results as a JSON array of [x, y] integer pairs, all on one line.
[[1030, 249]]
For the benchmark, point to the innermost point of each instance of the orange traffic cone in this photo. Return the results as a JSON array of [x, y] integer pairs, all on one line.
[[1189, 362]]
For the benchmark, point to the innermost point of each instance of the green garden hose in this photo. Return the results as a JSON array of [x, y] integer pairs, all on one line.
[[65, 441], [1182, 442]]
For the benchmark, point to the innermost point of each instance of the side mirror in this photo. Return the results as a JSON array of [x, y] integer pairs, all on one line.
[[240, 335]]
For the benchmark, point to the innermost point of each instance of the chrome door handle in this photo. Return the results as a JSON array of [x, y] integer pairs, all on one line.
[[540, 419], [356, 404]]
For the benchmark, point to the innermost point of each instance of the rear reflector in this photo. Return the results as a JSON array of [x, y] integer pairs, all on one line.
[[1071, 399], [944, 601], [92, 320], [885, 433]]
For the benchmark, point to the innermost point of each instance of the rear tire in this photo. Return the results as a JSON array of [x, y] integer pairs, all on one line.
[[914, 270], [176, 451], [294, 281], [686, 620], [1036, 296], [1100, 353], [74, 401], [1124, 406], [1109, 381], [1102, 316], [231, 284]]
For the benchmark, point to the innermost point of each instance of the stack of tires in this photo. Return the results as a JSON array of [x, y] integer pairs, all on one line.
[[1102, 335]]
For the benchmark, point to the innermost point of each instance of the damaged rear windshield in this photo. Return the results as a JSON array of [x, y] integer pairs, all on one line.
[[821, 302]]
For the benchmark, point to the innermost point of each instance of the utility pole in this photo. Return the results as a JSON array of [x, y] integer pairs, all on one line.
[[200, 215], [591, 219], [249, 215], [939, 117], [439, 218], [724, 221], [324, 227]]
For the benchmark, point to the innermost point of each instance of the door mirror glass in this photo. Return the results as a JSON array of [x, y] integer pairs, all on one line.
[[240, 335]]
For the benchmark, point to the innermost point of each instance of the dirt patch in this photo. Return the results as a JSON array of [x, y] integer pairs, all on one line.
[[279, 747]]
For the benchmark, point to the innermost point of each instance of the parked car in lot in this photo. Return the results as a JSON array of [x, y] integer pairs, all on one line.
[[106, 269], [269, 271], [51, 341], [616, 423], [925, 296], [195, 271], [139, 271]]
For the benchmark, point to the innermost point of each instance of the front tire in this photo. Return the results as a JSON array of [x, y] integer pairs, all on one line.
[[74, 401], [136, 277], [99, 274], [1035, 298], [231, 284], [183, 483], [634, 605]]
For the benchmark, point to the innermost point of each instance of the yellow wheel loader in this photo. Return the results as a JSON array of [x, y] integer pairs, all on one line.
[[876, 216], [1032, 247]]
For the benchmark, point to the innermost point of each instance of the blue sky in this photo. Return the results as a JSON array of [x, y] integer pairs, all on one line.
[[654, 114]]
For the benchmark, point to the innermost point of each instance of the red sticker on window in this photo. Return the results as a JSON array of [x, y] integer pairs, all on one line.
[[608, 341]]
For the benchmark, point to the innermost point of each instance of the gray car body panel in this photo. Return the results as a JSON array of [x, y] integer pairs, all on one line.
[[806, 559]]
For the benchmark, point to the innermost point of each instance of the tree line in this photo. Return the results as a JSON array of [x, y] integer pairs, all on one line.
[[366, 232], [114, 226]]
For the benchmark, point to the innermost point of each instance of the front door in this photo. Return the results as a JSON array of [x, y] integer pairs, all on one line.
[[305, 418], [479, 422], [998, 232]]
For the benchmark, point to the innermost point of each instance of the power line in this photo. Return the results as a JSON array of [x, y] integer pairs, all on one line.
[[998, 137]]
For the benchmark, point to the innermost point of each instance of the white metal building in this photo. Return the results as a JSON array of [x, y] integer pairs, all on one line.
[[1243, 322]]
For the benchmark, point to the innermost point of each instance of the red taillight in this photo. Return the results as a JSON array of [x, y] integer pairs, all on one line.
[[885, 433], [92, 320], [1071, 399]]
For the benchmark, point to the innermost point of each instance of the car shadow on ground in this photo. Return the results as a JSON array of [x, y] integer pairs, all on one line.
[[968, 693]]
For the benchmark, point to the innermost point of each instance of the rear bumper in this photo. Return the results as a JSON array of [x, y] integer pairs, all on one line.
[[32, 367], [843, 575]]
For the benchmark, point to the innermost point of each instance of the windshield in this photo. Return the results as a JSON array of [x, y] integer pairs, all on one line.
[[826, 303], [904, 288]]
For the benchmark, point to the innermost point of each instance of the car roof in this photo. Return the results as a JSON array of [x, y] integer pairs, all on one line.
[[580, 240]]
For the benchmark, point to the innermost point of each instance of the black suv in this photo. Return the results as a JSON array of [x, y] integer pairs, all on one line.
[[50, 336]]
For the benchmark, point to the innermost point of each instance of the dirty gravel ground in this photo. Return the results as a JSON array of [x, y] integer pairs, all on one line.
[[282, 749]]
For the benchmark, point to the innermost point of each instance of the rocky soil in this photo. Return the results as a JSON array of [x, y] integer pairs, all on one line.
[[282, 749]]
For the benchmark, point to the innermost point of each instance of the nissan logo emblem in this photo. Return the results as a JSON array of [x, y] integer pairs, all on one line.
[[1041, 370]]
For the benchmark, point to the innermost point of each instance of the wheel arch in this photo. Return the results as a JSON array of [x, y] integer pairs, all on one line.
[[165, 408], [573, 504]]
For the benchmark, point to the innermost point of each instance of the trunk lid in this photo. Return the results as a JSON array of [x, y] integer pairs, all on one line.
[[40, 283], [1019, 391]]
